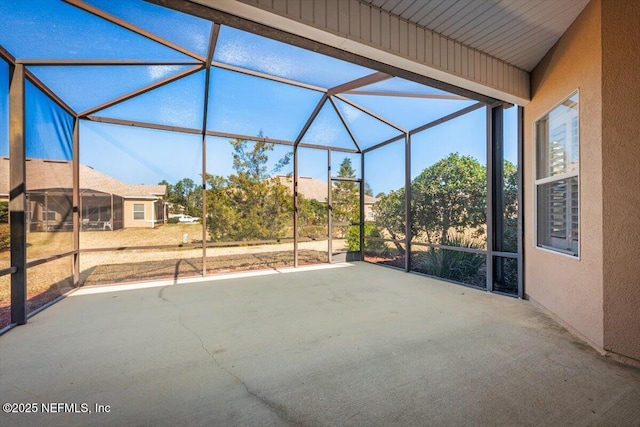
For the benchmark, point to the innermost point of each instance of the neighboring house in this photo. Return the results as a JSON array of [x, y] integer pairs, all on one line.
[[316, 189], [106, 203]]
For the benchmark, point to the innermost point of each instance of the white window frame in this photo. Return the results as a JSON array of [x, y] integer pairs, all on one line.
[[555, 178], [144, 215]]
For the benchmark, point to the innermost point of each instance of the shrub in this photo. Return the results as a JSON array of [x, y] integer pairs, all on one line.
[[510, 235], [371, 247], [174, 220], [4, 212], [313, 232], [452, 264], [353, 238]]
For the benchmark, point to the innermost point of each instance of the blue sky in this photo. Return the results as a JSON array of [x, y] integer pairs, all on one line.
[[238, 103]]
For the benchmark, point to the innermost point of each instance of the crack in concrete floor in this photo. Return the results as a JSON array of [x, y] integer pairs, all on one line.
[[277, 409]]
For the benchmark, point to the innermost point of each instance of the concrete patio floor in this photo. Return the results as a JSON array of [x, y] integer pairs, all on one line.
[[357, 345]]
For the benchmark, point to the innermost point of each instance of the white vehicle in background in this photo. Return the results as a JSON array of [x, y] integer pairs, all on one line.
[[187, 218]]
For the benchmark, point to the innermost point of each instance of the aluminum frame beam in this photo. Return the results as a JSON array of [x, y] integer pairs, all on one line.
[[113, 62], [329, 208], [428, 126], [75, 163], [224, 18], [51, 94], [17, 194], [345, 124], [448, 117], [370, 113], [406, 95], [490, 140], [129, 26], [295, 206], [311, 119], [521, 163], [266, 76], [407, 202], [213, 39], [142, 124], [4, 54], [361, 82], [142, 90]]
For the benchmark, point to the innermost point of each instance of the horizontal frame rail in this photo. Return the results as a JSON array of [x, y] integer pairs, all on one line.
[[145, 89], [450, 248], [513, 255], [145, 125], [10, 270], [266, 76], [448, 117], [198, 245], [49, 259], [115, 62]]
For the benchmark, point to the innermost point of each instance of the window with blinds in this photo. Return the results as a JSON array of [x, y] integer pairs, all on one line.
[[557, 178], [138, 211]]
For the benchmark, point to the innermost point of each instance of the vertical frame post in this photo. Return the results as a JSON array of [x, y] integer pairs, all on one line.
[[329, 209], [489, 208], [46, 210], [407, 202], [17, 194], [520, 202], [497, 179], [112, 212], [213, 39], [295, 206], [362, 216], [204, 199], [75, 164]]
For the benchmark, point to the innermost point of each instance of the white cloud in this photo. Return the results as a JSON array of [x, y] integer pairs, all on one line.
[[160, 71]]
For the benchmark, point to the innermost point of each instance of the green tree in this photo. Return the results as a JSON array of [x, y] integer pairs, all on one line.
[[169, 191], [367, 189], [389, 214], [252, 159], [221, 216], [311, 211], [451, 193], [448, 194], [185, 193], [345, 197], [251, 204], [312, 218], [510, 207], [189, 197]]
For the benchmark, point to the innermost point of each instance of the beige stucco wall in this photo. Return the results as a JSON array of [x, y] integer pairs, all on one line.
[[128, 214], [572, 289], [621, 175]]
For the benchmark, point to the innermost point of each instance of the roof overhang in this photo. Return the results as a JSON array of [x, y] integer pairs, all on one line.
[[486, 48], [436, 76]]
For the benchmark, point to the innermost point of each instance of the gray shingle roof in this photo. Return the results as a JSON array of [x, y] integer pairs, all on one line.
[[312, 188], [48, 174]]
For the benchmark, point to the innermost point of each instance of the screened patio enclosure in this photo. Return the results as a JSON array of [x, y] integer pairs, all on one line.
[[232, 149]]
